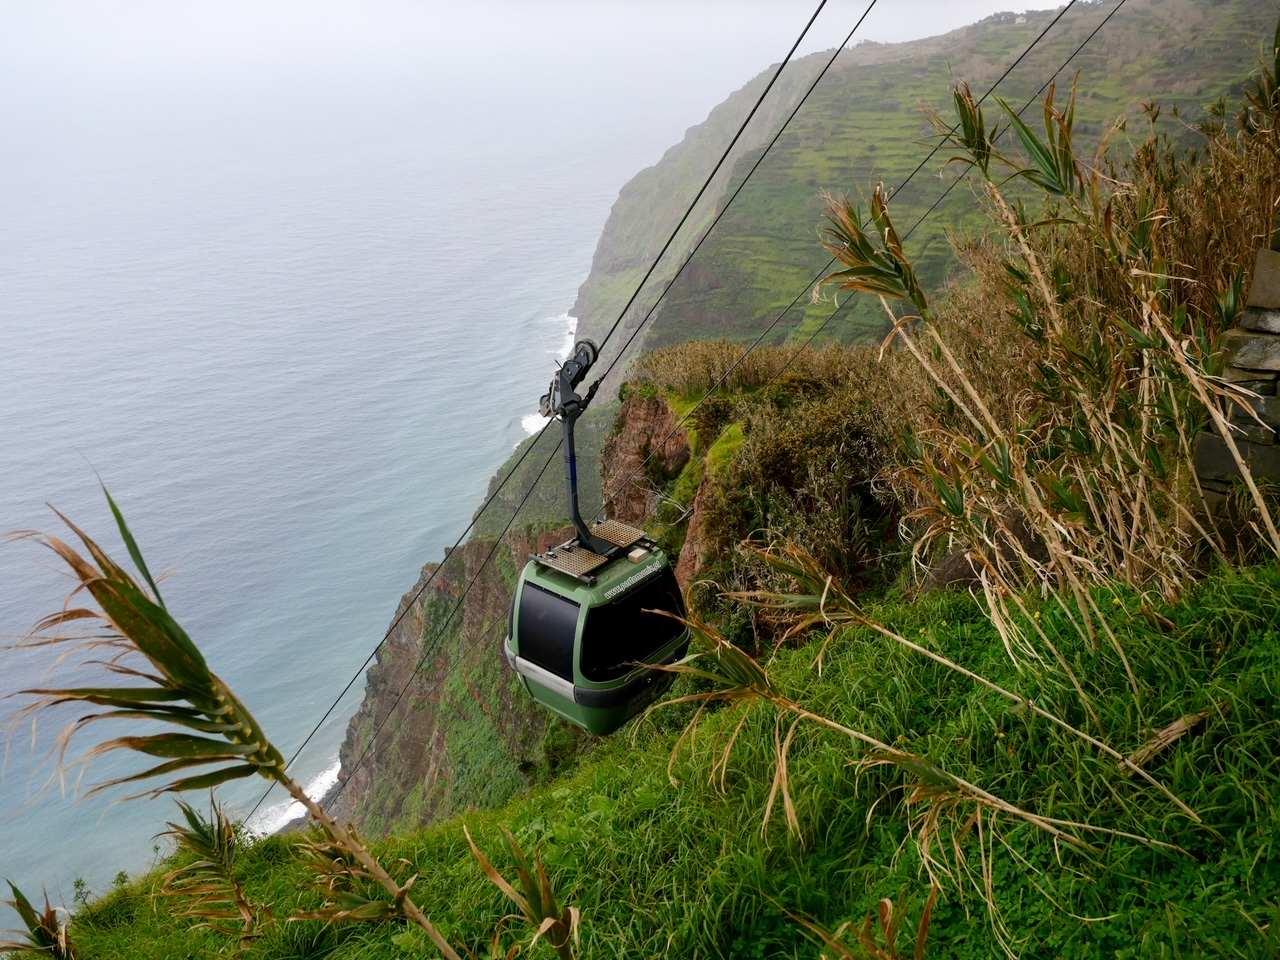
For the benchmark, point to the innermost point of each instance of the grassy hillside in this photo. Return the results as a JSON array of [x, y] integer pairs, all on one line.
[[665, 848], [863, 124]]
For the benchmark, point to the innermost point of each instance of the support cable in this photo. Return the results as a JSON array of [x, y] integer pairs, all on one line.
[[791, 360], [439, 638], [493, 496], [485, 635], [1043, 87], [360, 671], [734, 196], [711, 176]]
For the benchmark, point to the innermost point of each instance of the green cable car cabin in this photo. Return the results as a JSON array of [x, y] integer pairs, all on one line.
[[588, 628]]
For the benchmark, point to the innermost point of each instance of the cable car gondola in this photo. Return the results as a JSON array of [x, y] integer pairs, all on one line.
[[582, 637]]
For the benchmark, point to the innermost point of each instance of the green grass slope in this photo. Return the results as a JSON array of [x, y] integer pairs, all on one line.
[[664, 848]]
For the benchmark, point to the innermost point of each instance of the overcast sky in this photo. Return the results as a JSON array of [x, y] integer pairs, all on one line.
[[238, 34], [302, 70], [655, 66]]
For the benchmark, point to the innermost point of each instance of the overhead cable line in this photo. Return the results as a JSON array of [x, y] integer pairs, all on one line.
[[688, 212], [759, 339], [990, 90], [423, 659], [734, 196], [683, 265], [1002, 77], [360, 671], [712, 175], [447, 621], [529, 449], [1045, 86]]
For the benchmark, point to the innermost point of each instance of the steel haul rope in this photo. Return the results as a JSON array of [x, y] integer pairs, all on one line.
[[487, 633]]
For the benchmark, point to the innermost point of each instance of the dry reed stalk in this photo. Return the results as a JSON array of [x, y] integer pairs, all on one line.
[[822, 600], [740, 680]]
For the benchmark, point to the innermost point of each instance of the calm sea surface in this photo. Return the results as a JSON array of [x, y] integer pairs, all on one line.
[[294, 328]]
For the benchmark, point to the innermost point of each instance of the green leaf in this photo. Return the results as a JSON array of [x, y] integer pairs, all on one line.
[[184, 746], [974, 136], [998, 462], [131, 545], [139, 618], [210, 780], [27, 912], [162, 769], [1053, 164], [927, 773], [111, 696]]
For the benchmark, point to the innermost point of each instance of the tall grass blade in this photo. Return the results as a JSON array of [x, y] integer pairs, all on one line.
[[45, 934]]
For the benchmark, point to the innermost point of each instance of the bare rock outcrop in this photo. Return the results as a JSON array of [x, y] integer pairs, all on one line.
[[693, 557], [647, 444]]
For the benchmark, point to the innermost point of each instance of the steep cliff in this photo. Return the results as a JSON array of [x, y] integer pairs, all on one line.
[[444, 726]]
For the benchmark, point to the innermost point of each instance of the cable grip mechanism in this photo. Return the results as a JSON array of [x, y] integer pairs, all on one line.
[[562, 400]]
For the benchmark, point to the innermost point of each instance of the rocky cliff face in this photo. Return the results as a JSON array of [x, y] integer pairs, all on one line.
[[645, 427], [647, 431], [444, 725]]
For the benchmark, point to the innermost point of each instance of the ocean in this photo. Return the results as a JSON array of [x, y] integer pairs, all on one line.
[[289, 279], [294, 327], [292, 366]]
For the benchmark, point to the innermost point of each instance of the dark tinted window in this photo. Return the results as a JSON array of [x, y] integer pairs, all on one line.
[[547, 626], [619, 634]]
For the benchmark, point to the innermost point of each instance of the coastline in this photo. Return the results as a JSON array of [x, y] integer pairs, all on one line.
[[299, 823]]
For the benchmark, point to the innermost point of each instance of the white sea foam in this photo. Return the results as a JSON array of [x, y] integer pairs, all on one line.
[[533, 422], [276, 816]]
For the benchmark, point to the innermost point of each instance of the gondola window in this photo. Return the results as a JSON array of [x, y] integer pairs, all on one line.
[[548, 624], [621, 634]]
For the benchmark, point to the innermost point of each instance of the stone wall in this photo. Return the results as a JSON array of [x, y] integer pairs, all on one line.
[[1252, 356]]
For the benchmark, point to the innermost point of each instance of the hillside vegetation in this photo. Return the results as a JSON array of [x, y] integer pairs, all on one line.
[[1071, 756], [668, 852], [863, 124]]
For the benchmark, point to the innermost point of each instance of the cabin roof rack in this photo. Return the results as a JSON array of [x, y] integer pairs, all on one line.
[[578, 561]]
